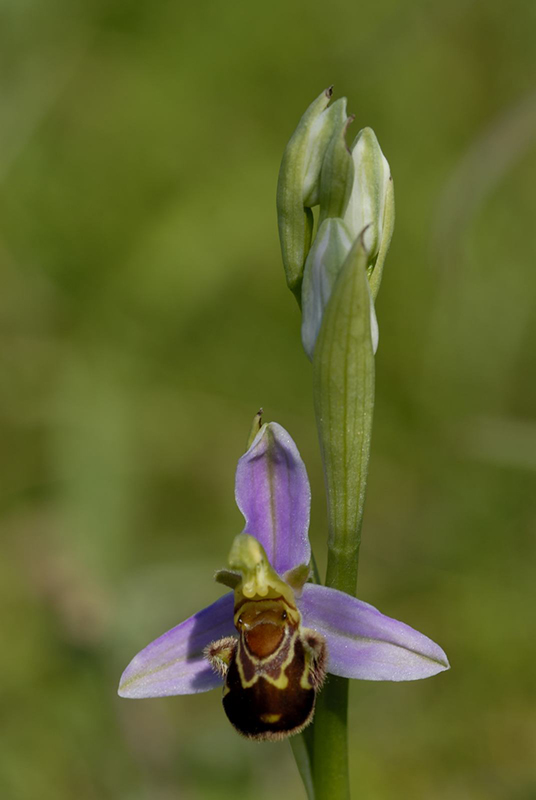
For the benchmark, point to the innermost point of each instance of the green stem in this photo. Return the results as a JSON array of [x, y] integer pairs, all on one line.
[[330, 766], [343, 375]]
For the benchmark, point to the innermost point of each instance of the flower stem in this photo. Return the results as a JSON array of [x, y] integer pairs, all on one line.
[[330, 766], [343, 375]]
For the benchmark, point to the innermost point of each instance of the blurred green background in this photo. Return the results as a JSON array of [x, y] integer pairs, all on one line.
[[144, 318]]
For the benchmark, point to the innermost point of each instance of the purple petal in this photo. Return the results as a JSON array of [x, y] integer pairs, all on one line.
[[174, 663], [273, 494], [364, 643]]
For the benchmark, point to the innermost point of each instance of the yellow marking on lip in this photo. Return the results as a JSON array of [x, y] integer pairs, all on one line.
[[281, 682], [270, 717]]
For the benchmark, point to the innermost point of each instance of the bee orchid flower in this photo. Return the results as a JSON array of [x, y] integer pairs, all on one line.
[[271, 640]]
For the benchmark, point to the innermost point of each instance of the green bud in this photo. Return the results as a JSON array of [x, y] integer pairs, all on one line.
[[299, 182], [337, 175], [321, 133], [322, 268], [371, 205]]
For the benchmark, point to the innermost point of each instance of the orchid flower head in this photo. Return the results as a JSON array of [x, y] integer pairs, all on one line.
[[271, 639]]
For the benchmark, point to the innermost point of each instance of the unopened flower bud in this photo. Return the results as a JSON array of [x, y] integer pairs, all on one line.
[[299, 182], [371, 205], [324, 263]]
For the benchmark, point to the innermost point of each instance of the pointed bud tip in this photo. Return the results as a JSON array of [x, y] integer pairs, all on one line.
[[368, 132], [347, 124]]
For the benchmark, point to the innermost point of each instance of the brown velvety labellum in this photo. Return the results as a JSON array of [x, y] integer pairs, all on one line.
[[272, 671], [267, 711]]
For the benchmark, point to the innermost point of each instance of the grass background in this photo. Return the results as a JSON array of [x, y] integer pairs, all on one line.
[[143, 320]]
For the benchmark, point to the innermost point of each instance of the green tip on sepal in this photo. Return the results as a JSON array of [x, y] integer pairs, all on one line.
[[256, 425], [343, 379], [299, 182], [371, 204]]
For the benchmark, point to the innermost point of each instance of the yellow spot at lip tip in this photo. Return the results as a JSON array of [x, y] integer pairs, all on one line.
[[270, 717]]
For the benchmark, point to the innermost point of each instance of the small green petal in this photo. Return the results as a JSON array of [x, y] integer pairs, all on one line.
[[228, 578], [298, 577]]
